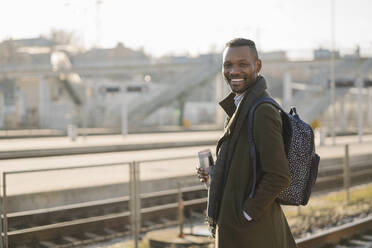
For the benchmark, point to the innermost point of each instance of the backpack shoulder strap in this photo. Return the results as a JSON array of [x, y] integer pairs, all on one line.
[[252, 145], [266, 99]]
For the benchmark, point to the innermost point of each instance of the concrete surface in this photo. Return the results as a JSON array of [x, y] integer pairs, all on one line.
[[53, 146], [57, 146]]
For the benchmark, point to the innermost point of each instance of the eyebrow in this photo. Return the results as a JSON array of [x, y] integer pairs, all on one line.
[[241, 60]]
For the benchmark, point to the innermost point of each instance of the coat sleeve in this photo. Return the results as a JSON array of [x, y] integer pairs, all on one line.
[[267, 134]]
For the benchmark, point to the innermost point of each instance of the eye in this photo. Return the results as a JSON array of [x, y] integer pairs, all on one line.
[[227, 65], [244, 64]]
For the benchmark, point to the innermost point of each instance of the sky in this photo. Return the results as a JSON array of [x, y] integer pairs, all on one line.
[[178, 27]]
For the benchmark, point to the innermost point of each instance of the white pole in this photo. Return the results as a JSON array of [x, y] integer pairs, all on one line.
[[287, 91], [219, 95], [43, 102], [124, 112], [98, 23], [369, 105], [1, 109], [347, 173], [333, 83], [135, 201], [359, 83], [88, 93], [342, 113]]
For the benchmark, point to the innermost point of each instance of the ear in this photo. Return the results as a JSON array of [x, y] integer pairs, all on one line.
[[258, 65]]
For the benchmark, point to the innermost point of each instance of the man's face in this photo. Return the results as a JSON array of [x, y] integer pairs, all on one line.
[[240, 68]]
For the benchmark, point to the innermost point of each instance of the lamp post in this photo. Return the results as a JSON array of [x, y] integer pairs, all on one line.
[[124, 112], [88, 94], [333, 83], [360, 84]]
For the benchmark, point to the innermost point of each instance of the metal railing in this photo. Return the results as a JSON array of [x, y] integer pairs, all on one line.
[[134, 184], [4, 242]]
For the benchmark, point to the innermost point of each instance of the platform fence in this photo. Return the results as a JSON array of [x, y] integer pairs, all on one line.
[[137, 174], [131, 175], [25, 175]]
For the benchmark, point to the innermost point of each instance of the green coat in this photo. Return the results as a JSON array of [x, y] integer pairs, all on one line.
[[269, 227]]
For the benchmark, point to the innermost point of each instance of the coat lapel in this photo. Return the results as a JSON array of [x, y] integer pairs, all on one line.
[[232, 118], [235, 118]]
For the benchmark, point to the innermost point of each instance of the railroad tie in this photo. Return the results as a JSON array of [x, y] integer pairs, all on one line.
[[94, 236], [72, 240], [48, 244], [196, 215], [360, 242], [149, 224], [114, 234], [367, 237], [164, 220], [109, 231]]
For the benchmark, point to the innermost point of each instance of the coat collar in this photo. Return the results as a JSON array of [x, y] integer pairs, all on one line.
[[228, 102]]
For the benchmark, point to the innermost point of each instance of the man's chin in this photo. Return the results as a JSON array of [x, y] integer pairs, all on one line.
[[239, 91], [242, 90]]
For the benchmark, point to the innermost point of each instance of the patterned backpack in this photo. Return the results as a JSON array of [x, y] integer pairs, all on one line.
[[299, 145]]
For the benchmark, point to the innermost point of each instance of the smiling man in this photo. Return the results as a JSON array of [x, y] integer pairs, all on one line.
[[237, 217]]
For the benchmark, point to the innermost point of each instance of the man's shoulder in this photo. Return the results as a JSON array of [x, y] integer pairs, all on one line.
[[263, 107], [266, 112]]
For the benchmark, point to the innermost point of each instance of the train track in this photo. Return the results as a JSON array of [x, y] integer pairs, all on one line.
[[357, 234], [84, 223], [331, 177]]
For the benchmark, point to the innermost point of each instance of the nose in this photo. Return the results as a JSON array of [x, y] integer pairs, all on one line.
[[234, 71]]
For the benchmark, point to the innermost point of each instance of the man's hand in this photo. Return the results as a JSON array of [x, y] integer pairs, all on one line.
[[203, 174]]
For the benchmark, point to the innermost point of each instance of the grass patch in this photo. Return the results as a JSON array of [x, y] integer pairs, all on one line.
[[329, 209], [358, 194]]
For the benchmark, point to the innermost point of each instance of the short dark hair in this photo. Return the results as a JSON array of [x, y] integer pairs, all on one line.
[[237, 42]]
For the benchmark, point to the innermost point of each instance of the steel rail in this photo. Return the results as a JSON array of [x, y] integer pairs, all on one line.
[[335, 235]]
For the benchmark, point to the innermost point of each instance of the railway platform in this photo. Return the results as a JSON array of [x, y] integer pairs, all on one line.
[[58, 146], [62, 146]]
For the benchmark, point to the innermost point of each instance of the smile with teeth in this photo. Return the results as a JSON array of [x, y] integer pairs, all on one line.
[[237, 80]]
